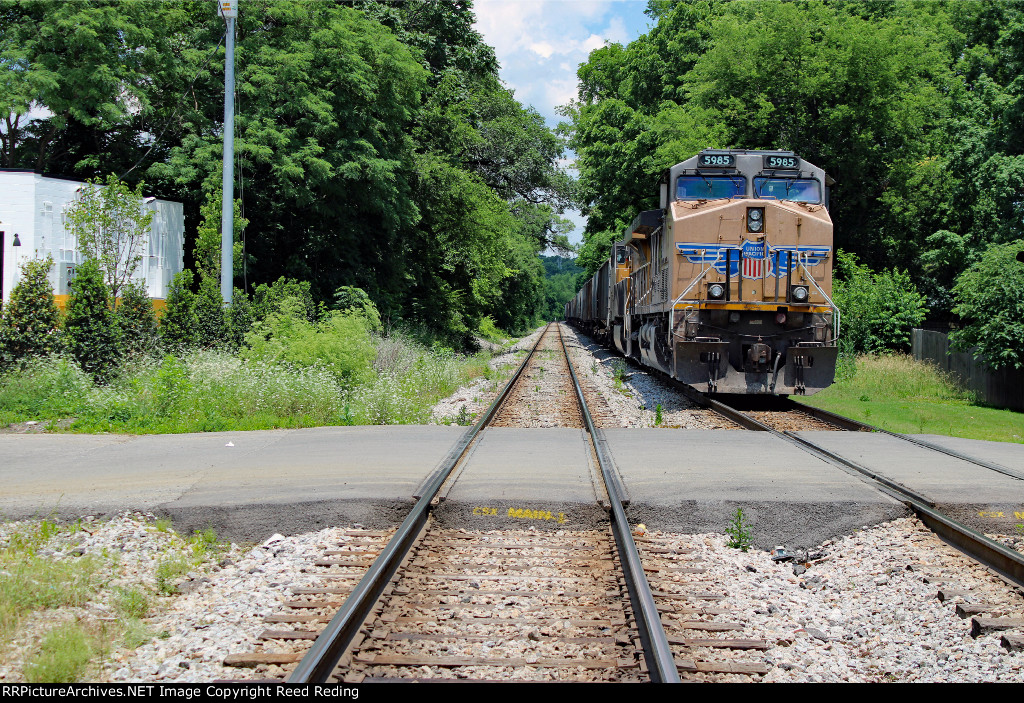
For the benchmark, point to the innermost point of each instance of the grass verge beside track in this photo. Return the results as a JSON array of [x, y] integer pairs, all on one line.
[[900, 394]]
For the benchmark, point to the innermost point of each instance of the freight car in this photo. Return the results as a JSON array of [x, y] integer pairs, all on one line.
[[727, 286]]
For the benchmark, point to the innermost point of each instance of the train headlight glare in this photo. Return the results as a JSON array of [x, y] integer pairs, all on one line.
[[716, 290], [800, 294]]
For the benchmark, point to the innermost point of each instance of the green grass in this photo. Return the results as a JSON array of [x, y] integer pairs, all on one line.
[[35, 576], [63, 655], [29, 582], [900, 394], [215, 391]]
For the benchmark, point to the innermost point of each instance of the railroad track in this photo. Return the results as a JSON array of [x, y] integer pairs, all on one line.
[[998, 557], [765, 417], [428, 603], [441, 604]]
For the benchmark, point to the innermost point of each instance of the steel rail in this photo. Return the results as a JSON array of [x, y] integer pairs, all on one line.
[[342, 629], [1000, 558], [850, 423], [658, 655]]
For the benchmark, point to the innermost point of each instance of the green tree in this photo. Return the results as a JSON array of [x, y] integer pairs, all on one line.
[[111, 224], [91, 65], [137, 321], [990, 302], [240, 318], [864, 90], [330, 96], [179, 323], [93, 335], [208, 240], [30, 323], [879, 310], [211, 319], [345, 109]]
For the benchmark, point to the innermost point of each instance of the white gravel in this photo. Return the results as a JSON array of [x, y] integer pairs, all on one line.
[[862, 612], [468, 402]]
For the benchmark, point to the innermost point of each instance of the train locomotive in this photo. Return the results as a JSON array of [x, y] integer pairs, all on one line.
[[727, 286]]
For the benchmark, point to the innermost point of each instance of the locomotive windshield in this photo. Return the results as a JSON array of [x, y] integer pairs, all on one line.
[[710, 187], [801, 190]]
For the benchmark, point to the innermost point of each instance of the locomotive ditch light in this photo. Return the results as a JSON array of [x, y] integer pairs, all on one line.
[[716, 291], [734, 317], [780, 318], [799, 293], [755, 219]]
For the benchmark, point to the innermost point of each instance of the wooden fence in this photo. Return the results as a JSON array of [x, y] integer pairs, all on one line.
[[1003, 388]]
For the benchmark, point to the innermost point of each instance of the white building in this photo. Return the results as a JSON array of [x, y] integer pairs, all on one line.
[[32, 208]]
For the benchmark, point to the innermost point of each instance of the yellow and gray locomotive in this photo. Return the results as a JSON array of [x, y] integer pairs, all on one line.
[[727, 287]]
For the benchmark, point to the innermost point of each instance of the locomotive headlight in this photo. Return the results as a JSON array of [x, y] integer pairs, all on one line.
[[799, 294], [755, 219], [716, 290]]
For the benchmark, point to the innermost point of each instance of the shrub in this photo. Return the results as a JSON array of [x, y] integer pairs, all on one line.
[[267, 299], [179, 322], [489, 331], [211, 324], [341, 343], [879, 310], [30, 322], [990, 301], [352, 299], [137, 322], [240, 318], [93, 336]]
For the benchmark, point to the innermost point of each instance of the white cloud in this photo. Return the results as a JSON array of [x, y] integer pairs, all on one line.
[[543, 49], [592, 42], [540, 43], [616, 32]]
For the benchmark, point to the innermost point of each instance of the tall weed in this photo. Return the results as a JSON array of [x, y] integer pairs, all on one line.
[[900, 376], [294, 380]]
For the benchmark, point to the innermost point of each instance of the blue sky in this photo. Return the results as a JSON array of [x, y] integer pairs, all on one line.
[[541, 43]]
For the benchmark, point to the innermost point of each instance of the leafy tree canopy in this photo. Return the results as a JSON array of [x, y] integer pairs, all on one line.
[[990, 300]]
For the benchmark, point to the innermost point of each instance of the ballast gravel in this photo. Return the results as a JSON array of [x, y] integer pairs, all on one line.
[[631, 398], [465, 405], [861, 610]]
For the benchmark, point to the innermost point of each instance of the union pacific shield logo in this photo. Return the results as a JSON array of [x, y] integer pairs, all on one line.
[[758, 257]]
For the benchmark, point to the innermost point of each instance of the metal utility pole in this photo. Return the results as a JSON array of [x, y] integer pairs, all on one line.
[[229, 9]]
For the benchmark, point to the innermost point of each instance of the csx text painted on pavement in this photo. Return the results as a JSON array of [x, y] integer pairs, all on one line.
[[1017, 514], [522, 514]]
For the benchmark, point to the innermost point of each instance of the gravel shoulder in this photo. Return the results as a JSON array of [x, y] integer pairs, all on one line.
[[862, 610]]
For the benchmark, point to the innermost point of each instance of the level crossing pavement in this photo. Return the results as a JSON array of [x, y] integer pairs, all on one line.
[[248, 485]]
